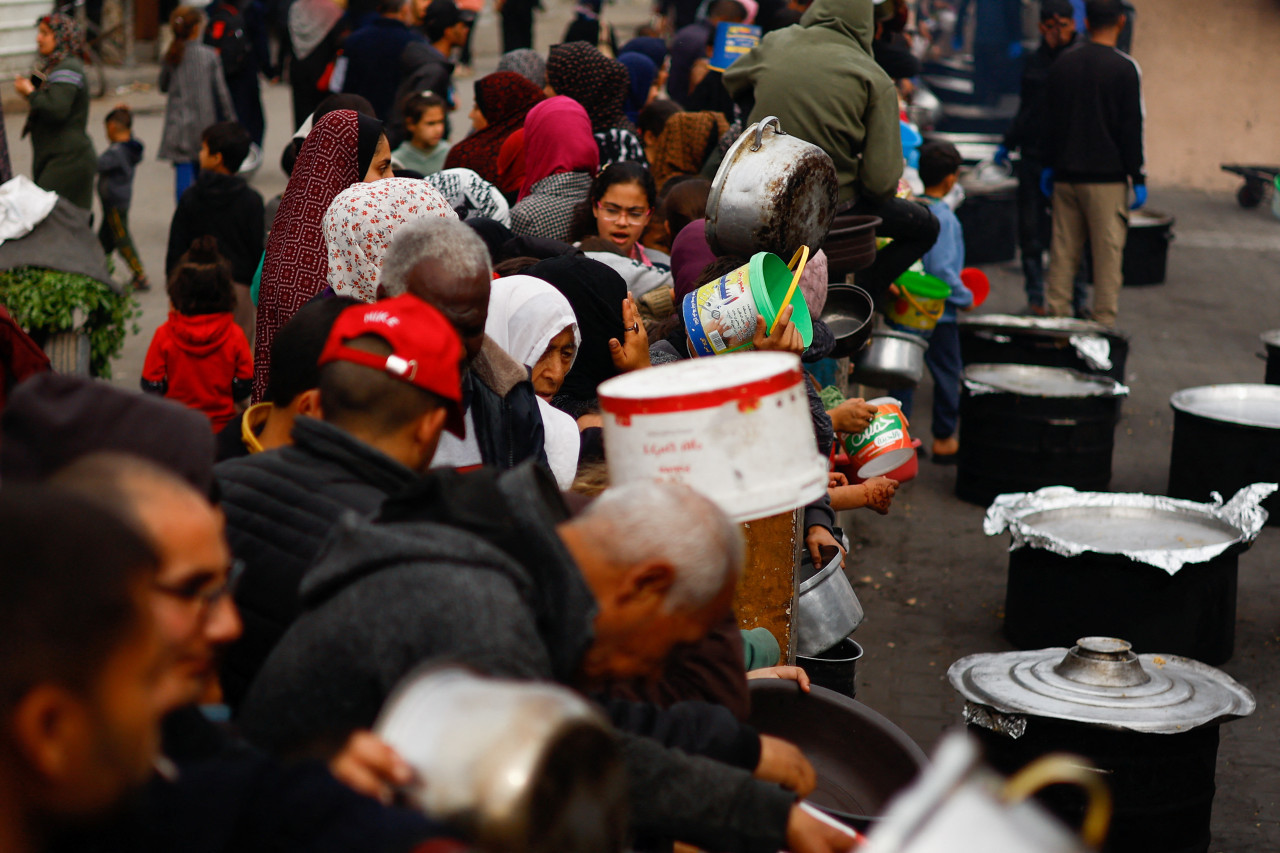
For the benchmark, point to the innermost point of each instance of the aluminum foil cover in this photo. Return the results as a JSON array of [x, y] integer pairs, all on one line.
[[1094, 349], [1010, 725], [1038, 381], [1243, 513]]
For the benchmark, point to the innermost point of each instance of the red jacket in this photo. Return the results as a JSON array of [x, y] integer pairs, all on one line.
[[197, 360]]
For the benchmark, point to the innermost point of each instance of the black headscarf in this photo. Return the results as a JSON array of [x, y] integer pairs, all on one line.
[[596, 293], [494, 234], [369, 131]]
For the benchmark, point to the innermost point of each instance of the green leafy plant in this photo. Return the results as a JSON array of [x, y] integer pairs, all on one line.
[[44, 301]]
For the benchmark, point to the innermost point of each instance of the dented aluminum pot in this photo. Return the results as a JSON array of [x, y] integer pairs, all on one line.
[[772, 193]]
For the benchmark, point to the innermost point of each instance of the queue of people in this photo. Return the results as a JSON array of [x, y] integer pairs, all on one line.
[[373, 436]]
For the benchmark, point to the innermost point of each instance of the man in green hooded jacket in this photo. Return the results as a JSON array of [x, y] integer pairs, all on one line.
[[820, 79]]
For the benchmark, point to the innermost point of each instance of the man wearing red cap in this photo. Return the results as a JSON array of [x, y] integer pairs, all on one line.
[[390, 383]]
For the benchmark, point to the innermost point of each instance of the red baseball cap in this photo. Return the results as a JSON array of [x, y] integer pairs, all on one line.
[[425, 349]]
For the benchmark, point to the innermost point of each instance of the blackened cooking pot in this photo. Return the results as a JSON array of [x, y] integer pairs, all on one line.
[[1050, 341], [1146, 248], [850, 315], [1224, 438], [1271, 340]]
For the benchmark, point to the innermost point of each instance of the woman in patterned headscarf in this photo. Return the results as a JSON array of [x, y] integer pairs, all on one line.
[[685, 142], [63, 158], [561, 158], [359, 225], [600, 84], [503, 99], [344, 147]]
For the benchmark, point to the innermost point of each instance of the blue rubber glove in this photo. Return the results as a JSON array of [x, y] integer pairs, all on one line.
[[1139, 196], [1001, 156], [1015, 49], [1046, 183]]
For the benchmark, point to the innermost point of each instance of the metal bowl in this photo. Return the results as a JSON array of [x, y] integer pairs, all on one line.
[[850, 315], [829, 609], [893, 360]]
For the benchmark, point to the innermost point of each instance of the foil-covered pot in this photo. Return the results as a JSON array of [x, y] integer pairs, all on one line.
[[1051, 341], [1100, 682], [1032, 380], [1163, 532]]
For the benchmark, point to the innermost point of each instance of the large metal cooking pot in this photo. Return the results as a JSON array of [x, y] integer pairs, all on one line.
[[1146, 248], [1050, 341], [860, 758], [773, 193], [892, 360], [1159, 571], [1148, 722], [516, 766], [829, 609], [1224, 438], [1270, 340]]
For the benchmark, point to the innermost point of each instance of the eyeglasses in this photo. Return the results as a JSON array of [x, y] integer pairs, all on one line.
[[612, 211], [206, 597]]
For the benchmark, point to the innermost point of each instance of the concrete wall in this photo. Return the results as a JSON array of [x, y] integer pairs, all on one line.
[[1210, 73]]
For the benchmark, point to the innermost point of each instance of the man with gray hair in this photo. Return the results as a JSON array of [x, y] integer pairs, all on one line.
[[446, 264], [488, 570]]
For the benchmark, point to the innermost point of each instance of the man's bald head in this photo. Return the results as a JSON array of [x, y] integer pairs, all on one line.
[[445, 263]]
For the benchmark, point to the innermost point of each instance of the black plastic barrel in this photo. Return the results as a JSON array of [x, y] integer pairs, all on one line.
[[1146, 249], [836, 668], [990, 222], [1018, 443], [1162, 785], [1219, 455], [1050, 600], [1000, 345]]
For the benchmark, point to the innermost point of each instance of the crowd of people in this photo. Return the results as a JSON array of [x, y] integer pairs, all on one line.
[[372, 438]]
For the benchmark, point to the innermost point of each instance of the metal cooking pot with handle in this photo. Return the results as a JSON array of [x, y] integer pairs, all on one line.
[[773, 193], [893, 360]]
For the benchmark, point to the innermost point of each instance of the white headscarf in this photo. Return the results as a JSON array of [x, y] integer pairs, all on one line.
[[525, 313], [360, 222]]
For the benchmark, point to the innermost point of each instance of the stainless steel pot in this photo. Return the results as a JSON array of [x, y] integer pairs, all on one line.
[[514, 766], [891, 360], [773, 193], [829, 609]]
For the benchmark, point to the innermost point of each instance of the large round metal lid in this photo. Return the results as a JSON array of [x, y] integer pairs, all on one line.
[[1100, 681], [1030, 380], [1044, 325], [1246, 405]]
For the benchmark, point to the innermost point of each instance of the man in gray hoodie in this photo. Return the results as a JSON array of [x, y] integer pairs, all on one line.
[[822, 82]]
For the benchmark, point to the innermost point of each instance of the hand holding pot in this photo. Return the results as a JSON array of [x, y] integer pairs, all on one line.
[[633, 352], [880, 492], [786, 673], [784, 763], [815, 538], [807, 834], [368, 765], [785, 337], [852, 416]]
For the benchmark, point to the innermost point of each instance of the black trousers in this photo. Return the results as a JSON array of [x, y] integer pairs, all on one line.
[[517, 25], [914, 230], [1034, 226]]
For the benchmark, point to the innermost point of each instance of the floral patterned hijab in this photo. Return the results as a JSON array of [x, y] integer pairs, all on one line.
[[68, 40], [359, 225]]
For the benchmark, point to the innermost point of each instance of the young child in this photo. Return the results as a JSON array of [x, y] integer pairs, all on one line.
[[199, 356], [223, 205], [939, 170], [425, 149], [115, 190]]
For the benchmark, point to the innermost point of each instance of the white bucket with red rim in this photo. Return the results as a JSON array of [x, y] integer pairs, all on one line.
[[735, 427]]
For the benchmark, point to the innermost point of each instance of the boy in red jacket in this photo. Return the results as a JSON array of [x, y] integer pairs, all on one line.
[[199, 356]]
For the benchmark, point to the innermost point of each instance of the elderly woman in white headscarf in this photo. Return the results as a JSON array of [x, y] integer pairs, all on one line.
[[534, 324], [360, 222]]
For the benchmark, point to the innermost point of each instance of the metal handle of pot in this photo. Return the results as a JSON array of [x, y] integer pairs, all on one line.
[[777, 128], [1060, 768]]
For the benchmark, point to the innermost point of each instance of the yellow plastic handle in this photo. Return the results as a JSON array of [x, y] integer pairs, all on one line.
[[797, 270], [1060, 768], [916, 305]]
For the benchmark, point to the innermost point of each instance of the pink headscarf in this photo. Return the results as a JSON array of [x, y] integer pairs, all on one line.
[[557, 138], [690, 255]]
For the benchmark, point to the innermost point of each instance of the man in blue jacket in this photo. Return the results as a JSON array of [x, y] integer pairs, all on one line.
[[373, 54]]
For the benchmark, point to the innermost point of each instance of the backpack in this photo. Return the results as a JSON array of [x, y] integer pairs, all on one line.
[[225, 34]]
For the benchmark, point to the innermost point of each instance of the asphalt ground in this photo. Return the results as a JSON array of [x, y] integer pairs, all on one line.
[[931, 582]]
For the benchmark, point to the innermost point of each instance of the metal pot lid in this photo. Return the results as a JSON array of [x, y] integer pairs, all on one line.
[[1032, 380], [1167, 533], [1101, 682], [1246, 405], [1045, 325], [1271, 338]]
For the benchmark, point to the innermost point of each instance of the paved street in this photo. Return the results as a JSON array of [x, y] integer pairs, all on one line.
[[932, 584]]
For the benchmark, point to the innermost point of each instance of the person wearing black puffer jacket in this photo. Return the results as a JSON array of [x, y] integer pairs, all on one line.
[[379, 433]]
